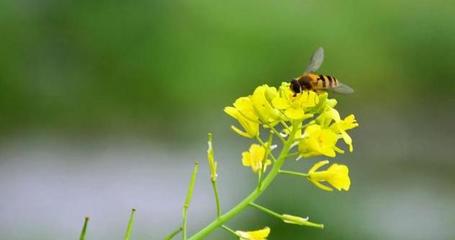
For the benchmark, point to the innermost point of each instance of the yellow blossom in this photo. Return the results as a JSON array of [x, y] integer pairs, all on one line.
[[324, 103], [336, 175], [321, 138], [341, 126], [244, 112], [318, 141], [261, 234], [294, 106], [255, 158], [262, 98]]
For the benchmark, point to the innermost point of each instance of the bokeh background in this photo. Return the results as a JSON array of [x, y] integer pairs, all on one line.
[[104, 106]]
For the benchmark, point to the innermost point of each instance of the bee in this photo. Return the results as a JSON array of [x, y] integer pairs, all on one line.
[[310, 80]]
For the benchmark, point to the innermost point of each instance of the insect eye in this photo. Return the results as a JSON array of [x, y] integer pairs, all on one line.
[[295, 86]]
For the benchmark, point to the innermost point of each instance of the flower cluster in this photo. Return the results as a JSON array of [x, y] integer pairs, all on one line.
[[269, 107], [299, 125], [307, 121]]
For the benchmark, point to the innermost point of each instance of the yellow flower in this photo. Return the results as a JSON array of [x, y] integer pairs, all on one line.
[[338, 126], [261, 234], [341, 126], [336, 175], [318, 141], [294, 107], [244, 112], [255, 158], [324, 103], [300, 221], [262, 98]]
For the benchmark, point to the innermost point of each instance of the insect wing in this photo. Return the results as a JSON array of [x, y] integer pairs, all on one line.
[[316, 60], [343, 89]]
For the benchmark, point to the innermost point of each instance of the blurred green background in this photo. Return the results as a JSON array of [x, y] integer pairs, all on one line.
[[105, 104]]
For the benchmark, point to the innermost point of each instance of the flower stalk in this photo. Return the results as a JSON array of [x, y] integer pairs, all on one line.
[[173, 233], [294, 173], [189, 196], [84, 228], [129, 228], [213, 173]]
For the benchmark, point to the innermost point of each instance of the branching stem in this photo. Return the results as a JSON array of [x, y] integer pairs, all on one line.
[[253, 195], [266, 210], [294, 173]]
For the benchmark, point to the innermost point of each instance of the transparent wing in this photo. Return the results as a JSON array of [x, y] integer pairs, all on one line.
[[316, 60], [343, 89]]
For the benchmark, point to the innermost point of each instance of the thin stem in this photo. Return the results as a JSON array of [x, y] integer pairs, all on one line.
[[84, 228], [129, 228], [294, 173], [217, 199], [278, 134], [285, 125], [293, 154], [189, 195], [266, 210], [253, 195], [173, 234], [264, 144], [268, 151], [229, 229]]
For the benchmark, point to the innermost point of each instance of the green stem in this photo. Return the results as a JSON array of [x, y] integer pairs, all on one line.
[[252, 196], [266, 210], [294, 173], [278, 134], [173, 234], [129, 228], [189, 195], [217, 199], [84, 229], [229, 230]]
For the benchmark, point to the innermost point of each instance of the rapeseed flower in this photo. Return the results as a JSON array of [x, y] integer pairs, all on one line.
[[336, 175], [244, 112], [261, 234], [262, 103], [255, 158], [318, 141], [320, 138], [294, 107]]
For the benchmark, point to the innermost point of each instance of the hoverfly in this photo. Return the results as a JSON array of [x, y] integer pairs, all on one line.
[[317, 82]]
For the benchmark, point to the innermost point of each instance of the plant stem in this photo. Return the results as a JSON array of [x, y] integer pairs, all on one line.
[[266, 210], [278, 134], [217, 199], [189, 195], [173, 234], [294, 173], [129, 228], [84, 229], [253, 195], [229, 229]]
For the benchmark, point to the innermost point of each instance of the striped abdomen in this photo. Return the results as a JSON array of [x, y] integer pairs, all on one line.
[[311, 81], [324, 81], [315, 82]]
